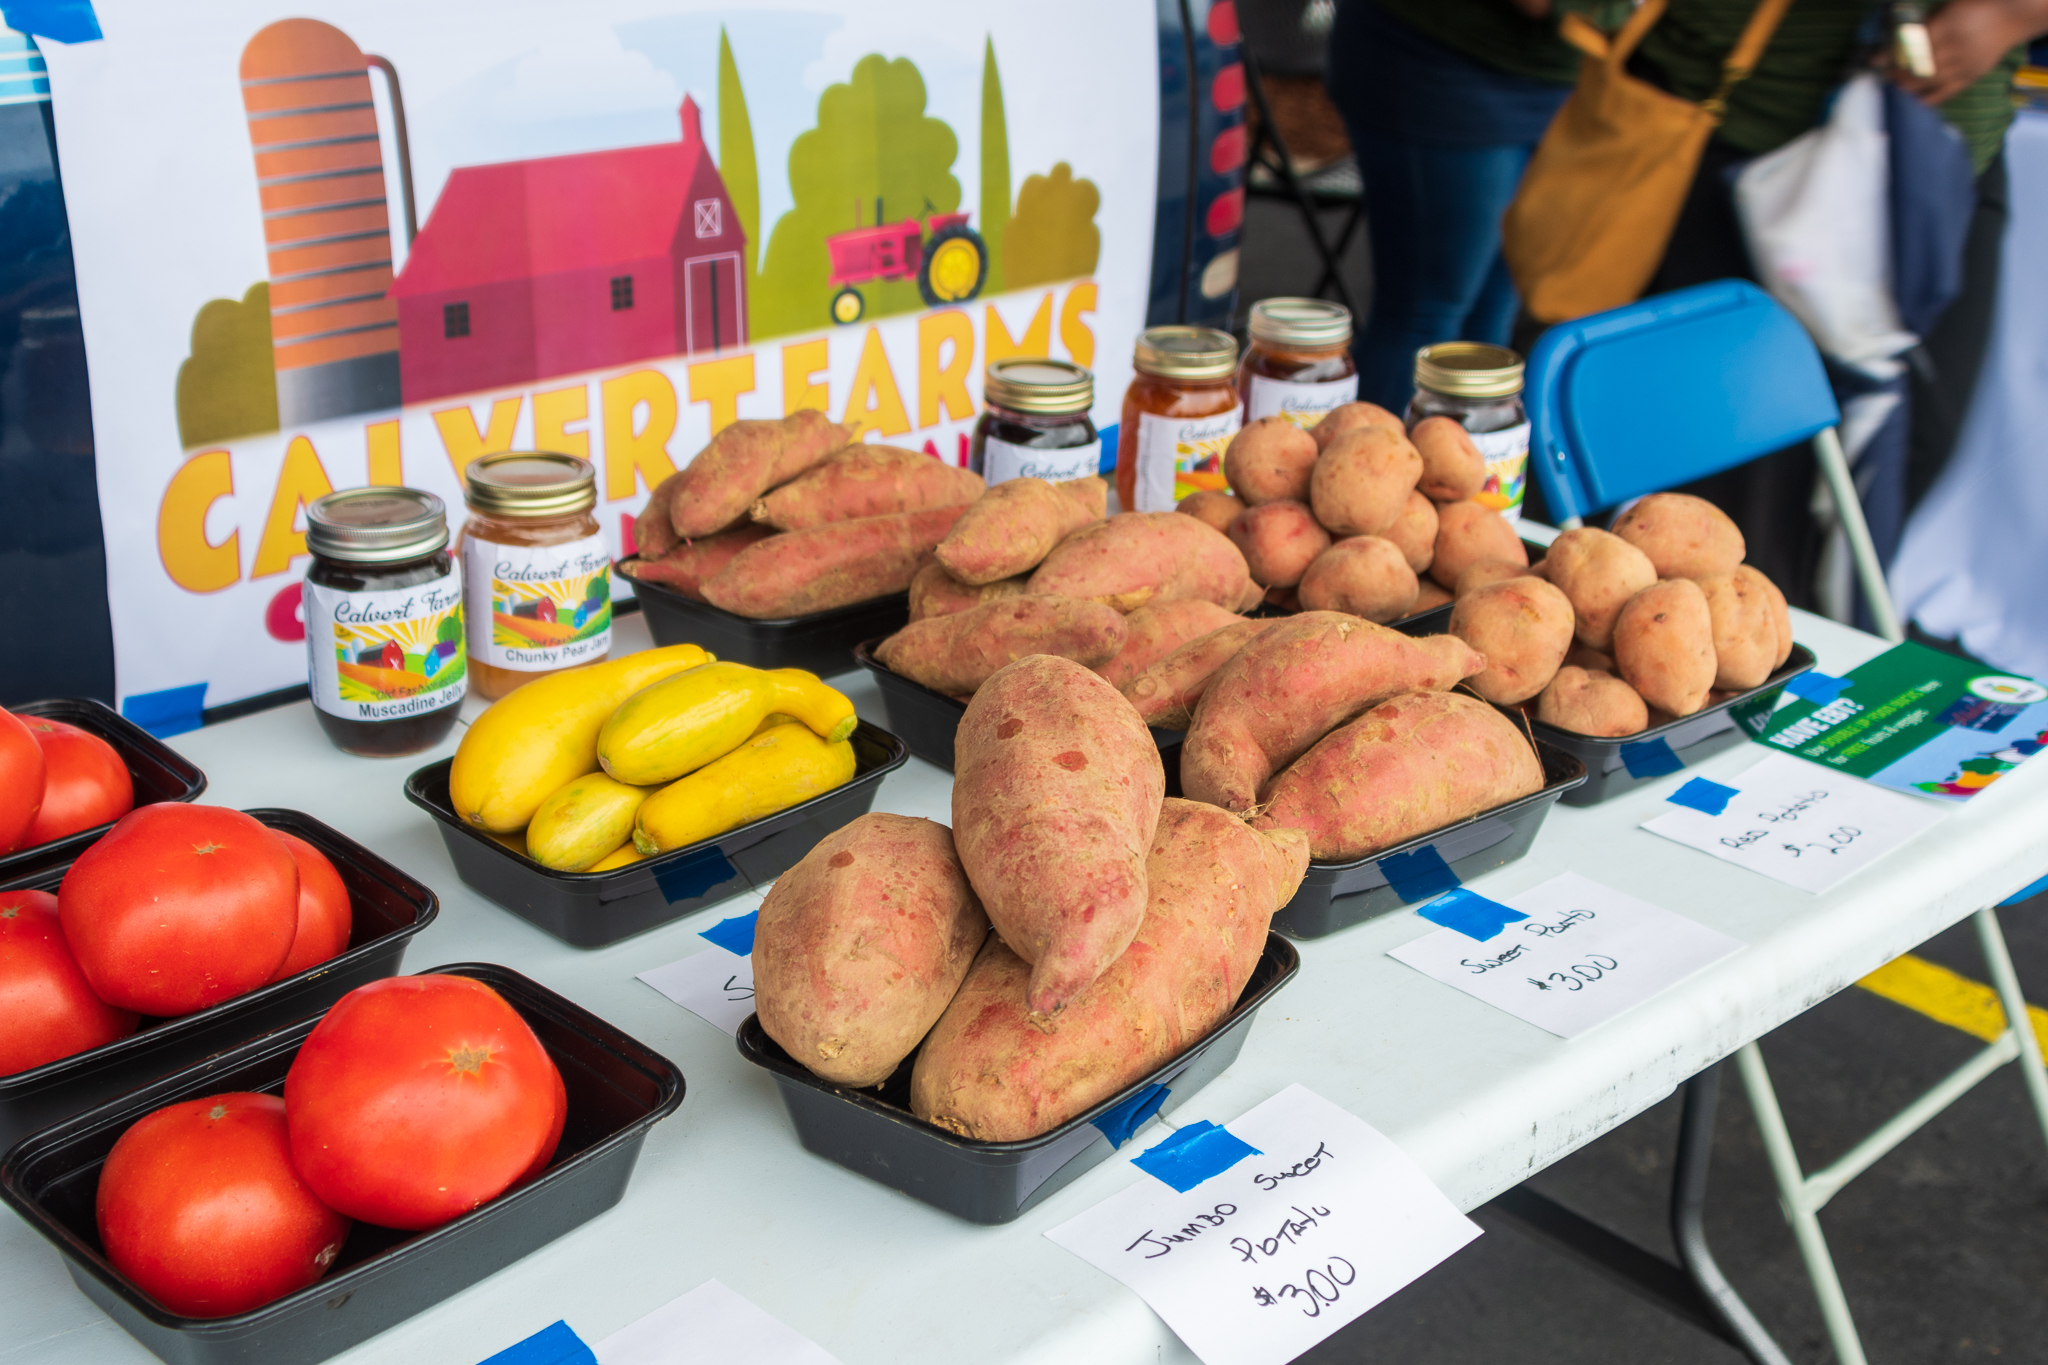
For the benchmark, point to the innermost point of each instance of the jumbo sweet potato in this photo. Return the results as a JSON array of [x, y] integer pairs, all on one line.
[[1279, 540], [798, 572], [1056, 794], [955, 654], [1010, 528], [1350, 417], [1139, 557], [1432, 596], [743, 461], [1361, 482], [934, 592], [1523, 626], [1745, 627], [1269, 459], [1598, 571], [1592, 702], [1217, 507], [861, 946], [995, 1071], [1363, 575], [1158, 630], [1684, 536], [1410, 765], [1165, 694], [1468, 532], [866, 481], [1452, 467], [1414, 531], [690, 562], [1664, 645], [1485, 573], [1287, 687]]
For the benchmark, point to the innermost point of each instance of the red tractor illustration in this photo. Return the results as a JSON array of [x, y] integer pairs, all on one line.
[[950, 264]]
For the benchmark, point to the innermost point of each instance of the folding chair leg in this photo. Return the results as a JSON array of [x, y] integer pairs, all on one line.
[[1999, 959], [1834, 467]]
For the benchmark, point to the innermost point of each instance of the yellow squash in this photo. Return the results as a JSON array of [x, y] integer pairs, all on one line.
[[544, 733], [770, 772], [679, 724], [582, 822], [625, 855]]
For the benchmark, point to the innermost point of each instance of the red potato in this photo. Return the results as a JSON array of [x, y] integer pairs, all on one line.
[[995, 1071], [1452, 467], [860, 946], [866, 481], [1212, 506], [1349, 417], [1135, 558], [1664, 645], [1523, 626], [1269, 459], [1487, 572], [1363, 575], [1468, 532], [1279, 540], [1414, 532], [1157, 631], [1745, 628], [799, 572], [1056, 794], [956, 654], [1781, 616], [1408, 766], [1684, 536], [743, 461], [1592, 660], [1432, 596], [1007, 530], [1285, 689], [1361, 483], [1165, 694], [1588, 702], [1598, 571], [686, 566], [934, 592]]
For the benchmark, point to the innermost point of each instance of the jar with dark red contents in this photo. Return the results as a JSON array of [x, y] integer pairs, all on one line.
[[1179, 413], [1035, 423], [1298, 364]]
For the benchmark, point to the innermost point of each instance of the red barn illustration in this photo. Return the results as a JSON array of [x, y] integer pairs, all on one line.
[[568, 263]]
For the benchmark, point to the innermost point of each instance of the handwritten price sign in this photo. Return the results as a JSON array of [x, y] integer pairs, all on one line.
[[1323, 1219], [715, 985]]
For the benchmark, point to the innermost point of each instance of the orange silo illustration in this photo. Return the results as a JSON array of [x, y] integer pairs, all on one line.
[[320, 170]]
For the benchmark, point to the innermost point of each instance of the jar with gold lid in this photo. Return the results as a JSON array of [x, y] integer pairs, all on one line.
[[537, 569], [1480, 385], [1298, 364], [1035, 423], [1179, 413]]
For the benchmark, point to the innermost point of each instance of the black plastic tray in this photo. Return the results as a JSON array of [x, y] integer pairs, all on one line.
[[160, 772], [820, 642], [591, 909], [389, 907], [1614, 766], [872, 1131], [617, 1089], [1336, 896]]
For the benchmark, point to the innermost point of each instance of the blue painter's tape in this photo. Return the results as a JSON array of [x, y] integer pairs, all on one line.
[[554, 1344], [1418, 876], [1470, 913], [173, 711], [1818, 688], [1702, 795], [2026, 893], [1193, 1154], [1650, 758], [1127, 1118], [1106, 465], [694, 877], [67, 21], [735, 935]]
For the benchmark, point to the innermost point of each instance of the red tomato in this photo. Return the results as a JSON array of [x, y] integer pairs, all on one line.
[[21, 780], [50, 1009], [324, 914], [85, 783], [418, 1098], [180, 907], [200, 1206]]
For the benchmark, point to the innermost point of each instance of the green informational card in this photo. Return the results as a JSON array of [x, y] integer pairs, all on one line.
[[1916, 719]]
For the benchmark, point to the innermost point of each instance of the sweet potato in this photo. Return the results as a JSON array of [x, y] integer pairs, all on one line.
[[1361, 483], [1745, 627], [1056, 794], [1010, 528], [1598, 571], [1432, 596], [1592, 660], [1468, 532], [1363, 575], [743, 461], [1684, 536], [654, 535], [1217, 507], [1414, 532], [1781, 615], [1592, 702], [1410, 765], [934, 592], [1287, 687], [828, 566], [866, 481], [1452, 467], [1350, 417], [956, 653], [1523, 626], [1158, 630], [861, 946], [690, 562], [1139, 557], [1269, 459], [1279, 540], [1165, 694], [1664, 645], [995, 1071], [1485, 573]]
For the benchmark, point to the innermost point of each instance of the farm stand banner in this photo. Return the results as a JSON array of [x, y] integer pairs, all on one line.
[[369, 242]]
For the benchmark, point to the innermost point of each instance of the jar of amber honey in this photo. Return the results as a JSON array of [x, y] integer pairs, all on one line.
[[1298, 364], [1179, 413], [536, 568]]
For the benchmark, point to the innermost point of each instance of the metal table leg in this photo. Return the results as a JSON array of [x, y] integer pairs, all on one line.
[[1688, 1222]]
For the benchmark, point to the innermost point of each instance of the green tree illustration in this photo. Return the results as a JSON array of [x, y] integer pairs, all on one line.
[[742, 176], [995, 168], [227, 387], [873, 142], [1053, 235]]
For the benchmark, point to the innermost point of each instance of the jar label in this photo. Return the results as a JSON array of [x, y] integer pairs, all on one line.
[[1302, 404], [1507, 468], [388, 654], [1000, 460], [538, 607], [1180, 455]]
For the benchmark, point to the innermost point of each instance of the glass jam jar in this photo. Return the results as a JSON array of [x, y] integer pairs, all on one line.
[[536, 566], [1481, 386], [1298, 364], [1034, 422], [383, 607], [1179, 413]]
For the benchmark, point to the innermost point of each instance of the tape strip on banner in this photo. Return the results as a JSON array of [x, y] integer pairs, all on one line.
[[1470, 913], [735, 935], [65, 21], [1127, 1118], [1193, 1154], [555, 1344], [1418, 876], [1650, 758], [1817, 688], [1710, 798]]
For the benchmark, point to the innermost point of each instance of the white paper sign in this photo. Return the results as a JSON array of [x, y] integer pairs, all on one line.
[[710, 1325], [1258, 1263], [1801, 823], [1585, 953], [715, 985]]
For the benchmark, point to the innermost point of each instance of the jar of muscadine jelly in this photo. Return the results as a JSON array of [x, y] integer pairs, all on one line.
[[1481, 386], [1298, 364], [537, 568], [1179, 413], [383, 608], [1034, 422]]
